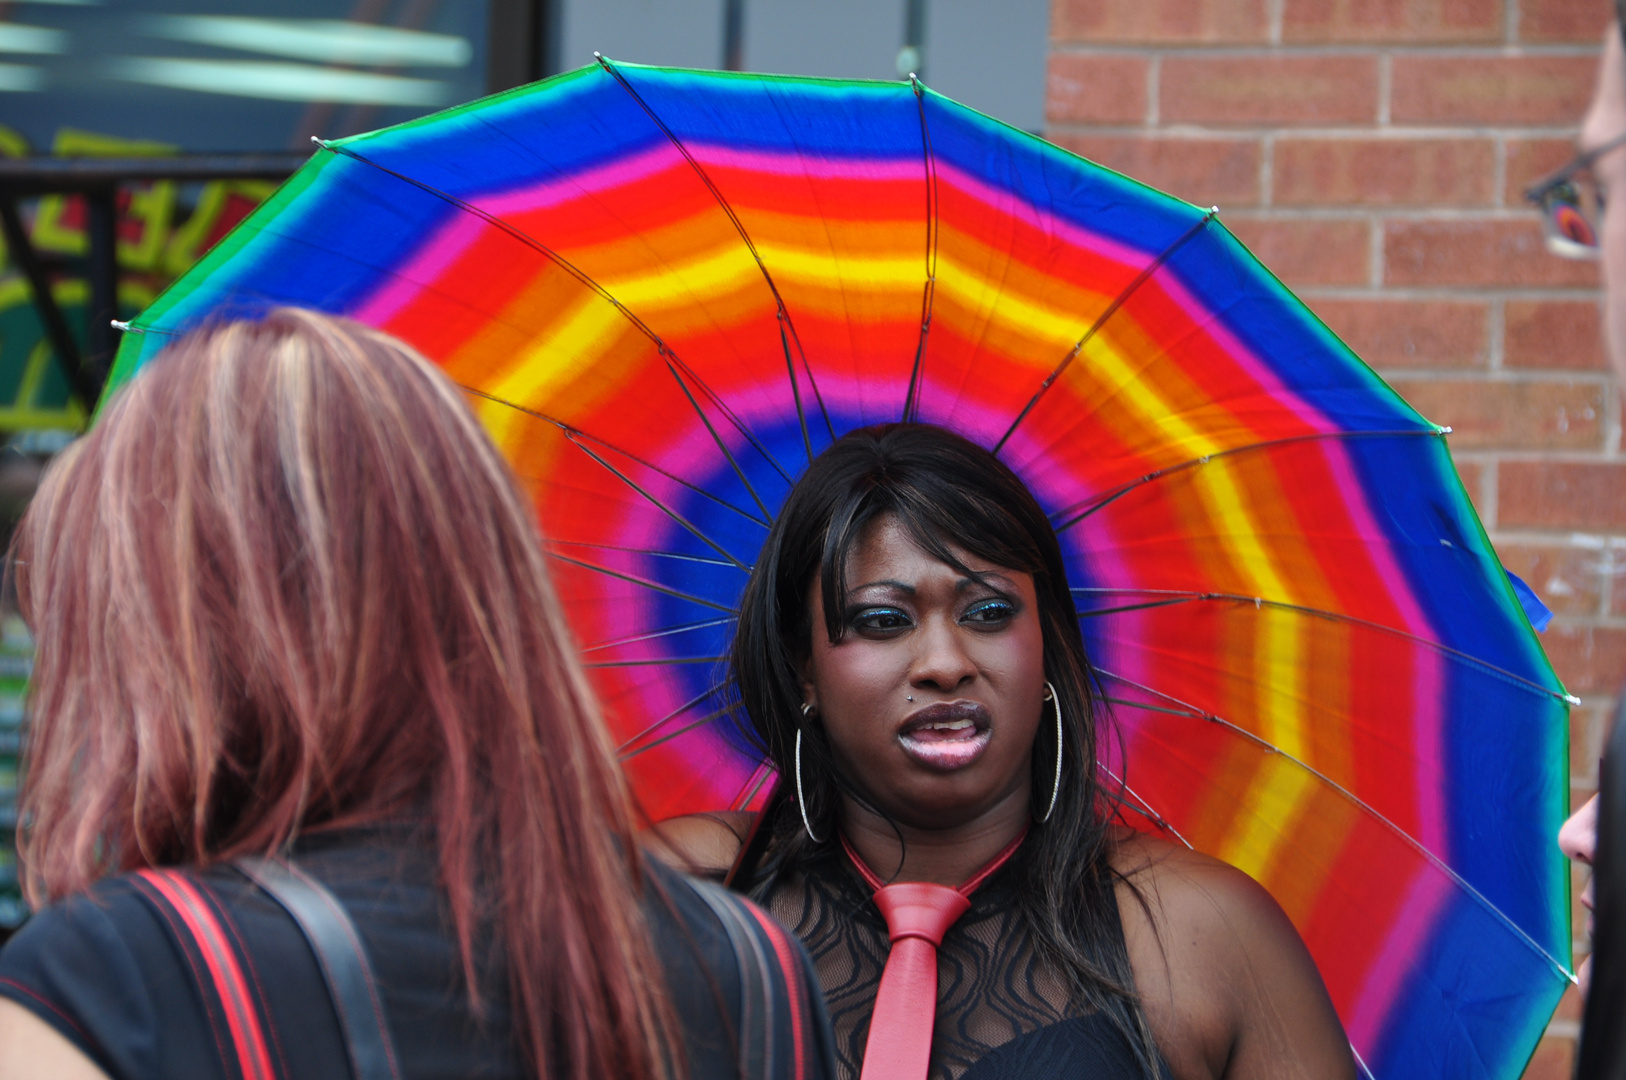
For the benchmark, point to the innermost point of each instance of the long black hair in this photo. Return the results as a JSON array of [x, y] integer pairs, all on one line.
[[948, 493]]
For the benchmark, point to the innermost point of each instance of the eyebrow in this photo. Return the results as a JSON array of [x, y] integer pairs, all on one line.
[[907, 590], [959, 586]]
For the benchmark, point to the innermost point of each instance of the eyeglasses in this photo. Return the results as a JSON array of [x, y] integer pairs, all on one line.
[[1572, 205]]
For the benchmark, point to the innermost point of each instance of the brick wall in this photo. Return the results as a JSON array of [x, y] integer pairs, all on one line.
[[1372, 153]]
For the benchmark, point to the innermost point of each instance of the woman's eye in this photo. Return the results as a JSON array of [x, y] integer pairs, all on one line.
[[990, 611], [879, 619]]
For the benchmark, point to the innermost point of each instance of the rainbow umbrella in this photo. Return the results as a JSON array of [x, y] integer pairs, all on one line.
[[666, 290]]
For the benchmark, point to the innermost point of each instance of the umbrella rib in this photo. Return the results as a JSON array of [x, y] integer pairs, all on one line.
[[1186, 709], [661, 662], [669, 717], [645, 551], [1112, 309], [635, 580], [633, 639], [670, 735], [761, 775], [662, 507], [1170, 597], [563, 263], [574, 434], [1145, 808], [786, 323], [722, 446], [1083, 509], [911, 401]]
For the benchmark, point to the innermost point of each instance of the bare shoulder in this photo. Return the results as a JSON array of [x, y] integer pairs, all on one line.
[[1196, 900], [703, 844], [29, 1048], [1228, 987]]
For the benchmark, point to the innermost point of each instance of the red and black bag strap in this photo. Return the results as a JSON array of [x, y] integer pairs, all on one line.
[[222, 971], [783, 1032]]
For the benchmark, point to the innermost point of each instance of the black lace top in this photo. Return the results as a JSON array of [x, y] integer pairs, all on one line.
[[1002, 1012]]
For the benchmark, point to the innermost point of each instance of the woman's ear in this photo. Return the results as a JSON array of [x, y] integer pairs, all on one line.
[[810, 691]]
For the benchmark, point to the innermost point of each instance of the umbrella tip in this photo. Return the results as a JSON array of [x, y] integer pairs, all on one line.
[[1572, 699], [121, 327]]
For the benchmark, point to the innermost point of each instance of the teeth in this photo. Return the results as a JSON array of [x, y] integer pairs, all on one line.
[[952, 725]]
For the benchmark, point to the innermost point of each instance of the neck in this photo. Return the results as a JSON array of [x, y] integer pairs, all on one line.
[[948, 856]]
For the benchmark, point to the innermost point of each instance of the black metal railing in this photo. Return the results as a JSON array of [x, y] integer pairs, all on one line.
[[98, 181]]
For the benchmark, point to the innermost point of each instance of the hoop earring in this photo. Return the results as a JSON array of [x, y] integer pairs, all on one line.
[[800, 804], [1055, 788]]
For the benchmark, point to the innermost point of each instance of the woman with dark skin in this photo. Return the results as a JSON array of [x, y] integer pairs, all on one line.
[[905, 643]]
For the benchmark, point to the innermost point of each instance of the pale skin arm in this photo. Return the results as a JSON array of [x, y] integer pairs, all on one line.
[[31, 1049], [1227, 985]]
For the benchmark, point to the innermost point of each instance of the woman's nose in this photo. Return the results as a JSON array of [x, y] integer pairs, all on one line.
[[941, 660], [1578, 837]]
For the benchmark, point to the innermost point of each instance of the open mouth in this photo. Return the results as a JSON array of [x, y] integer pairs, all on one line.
[[948, 736]]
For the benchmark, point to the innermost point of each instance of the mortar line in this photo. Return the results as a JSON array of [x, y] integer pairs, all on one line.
[[1496, 335], [1386, 80], [1374, 240], [1267, 170], [1499, 169], [1154, 100]]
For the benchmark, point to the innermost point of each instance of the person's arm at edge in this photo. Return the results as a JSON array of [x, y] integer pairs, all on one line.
[[30, 1049]]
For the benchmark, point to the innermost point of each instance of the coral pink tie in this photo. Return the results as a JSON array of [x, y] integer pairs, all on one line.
[[917, 915]]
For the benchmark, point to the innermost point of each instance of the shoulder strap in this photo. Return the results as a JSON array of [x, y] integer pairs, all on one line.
[[782, 1028], [339, 953], [220, 970]]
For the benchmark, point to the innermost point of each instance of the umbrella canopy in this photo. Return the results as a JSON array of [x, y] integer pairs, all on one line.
[[667, 290]]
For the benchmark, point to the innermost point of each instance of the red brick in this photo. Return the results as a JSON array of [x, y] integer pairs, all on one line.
[[1096, 89], [1496, 253], [1493, 414], [1530, 160], [1590, 496], [1308, 252], [1554, 1060], [1203, 171], [1588, 659], [1410, 333], [1404, 21], [1159, 21], [1553, 334], [1384, 172], [1501, 90], [1267, 89], [1563, 20], [1568, 579]]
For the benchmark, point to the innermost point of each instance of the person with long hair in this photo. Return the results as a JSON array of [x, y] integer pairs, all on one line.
[[909, 655], [293, 618]]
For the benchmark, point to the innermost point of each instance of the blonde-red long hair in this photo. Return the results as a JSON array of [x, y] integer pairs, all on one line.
[[287, 582]]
